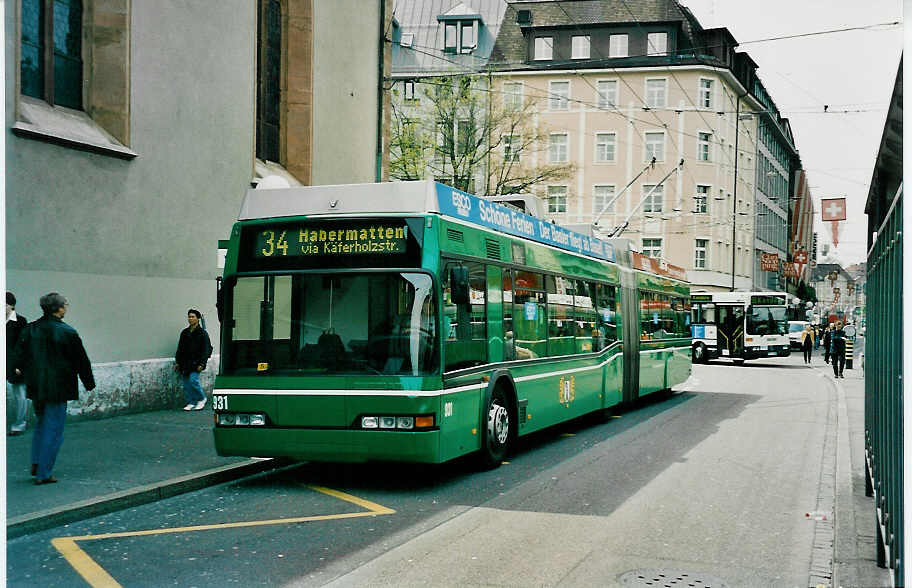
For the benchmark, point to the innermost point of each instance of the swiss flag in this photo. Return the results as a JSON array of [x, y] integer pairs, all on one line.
[[833, 209], [801, 257]]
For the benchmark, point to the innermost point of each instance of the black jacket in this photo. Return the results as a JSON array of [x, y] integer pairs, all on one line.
[[13, 331], [51, 355], [193, 350]]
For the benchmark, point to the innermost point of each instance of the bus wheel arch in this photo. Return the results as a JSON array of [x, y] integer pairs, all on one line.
[[499, 427]]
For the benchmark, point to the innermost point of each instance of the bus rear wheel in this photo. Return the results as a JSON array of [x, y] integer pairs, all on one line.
[[498, 430]]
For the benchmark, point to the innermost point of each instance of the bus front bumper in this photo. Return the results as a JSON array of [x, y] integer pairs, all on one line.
[[329, 445]]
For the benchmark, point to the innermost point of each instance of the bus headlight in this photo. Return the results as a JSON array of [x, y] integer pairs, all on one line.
[[257, 420], [405, 422], [369, 422], [387, 422], [226, 418]]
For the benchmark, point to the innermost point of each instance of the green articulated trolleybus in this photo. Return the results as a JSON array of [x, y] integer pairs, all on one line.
[[410, 321]]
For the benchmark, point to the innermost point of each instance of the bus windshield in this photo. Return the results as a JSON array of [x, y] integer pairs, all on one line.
[[767, 320], [332, 323]]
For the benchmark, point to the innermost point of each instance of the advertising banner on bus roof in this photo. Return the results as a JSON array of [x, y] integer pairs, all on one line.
[[461, 205]]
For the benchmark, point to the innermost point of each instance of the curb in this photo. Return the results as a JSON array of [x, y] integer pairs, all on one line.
[[136, 496]]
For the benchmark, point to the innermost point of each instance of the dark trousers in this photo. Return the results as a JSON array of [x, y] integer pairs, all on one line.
[[807, 354], [838, 363], [48, 436], [826, 353]]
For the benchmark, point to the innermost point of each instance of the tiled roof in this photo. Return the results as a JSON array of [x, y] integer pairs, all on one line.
[[511, 46]]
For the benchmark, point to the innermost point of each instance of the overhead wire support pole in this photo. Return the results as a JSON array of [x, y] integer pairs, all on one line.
[[616, 231], [621, 193]]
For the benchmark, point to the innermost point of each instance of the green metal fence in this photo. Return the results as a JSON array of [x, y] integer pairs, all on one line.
[[883, 388]]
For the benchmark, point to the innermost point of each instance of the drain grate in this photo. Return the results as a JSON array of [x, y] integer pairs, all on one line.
[[663, 578]]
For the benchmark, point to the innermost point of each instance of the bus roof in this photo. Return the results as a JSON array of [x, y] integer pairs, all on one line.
[[419, 197]]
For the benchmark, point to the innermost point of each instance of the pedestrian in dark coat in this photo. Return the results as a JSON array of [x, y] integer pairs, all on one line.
[[50, 354], [807, 343], [838, 350], [15, 383], [827, 339], [193, 351]]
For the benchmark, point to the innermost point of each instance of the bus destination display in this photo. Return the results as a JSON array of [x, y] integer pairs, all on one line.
[[369, 237]]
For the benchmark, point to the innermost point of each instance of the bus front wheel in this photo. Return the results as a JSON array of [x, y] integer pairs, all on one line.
[[699, 353], [498, 429]]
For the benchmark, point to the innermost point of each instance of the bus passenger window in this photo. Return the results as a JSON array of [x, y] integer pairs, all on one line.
[[509, 341], [530, 326], [561, 328], [587, 334], [607, 315], [465, 325]]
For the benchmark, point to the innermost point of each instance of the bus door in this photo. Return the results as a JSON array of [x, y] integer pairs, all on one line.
[[730, 321]]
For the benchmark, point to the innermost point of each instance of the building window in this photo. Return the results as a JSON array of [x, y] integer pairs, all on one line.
[[601, 196], [557, 199], [655, 146], [607, 93], [653, 202], [408, 90], [52, 72], [652, 248], [656, 93], [465, 136], [706, 88], [700, 246], [558, 148], [467, 36], [703, 146], [543, 48], [579, 47], [269, 87], [449, 37], [617, 46], [701, 199], [513, 95], [511, 147], [605, 147], [559, 94], [657, 44]]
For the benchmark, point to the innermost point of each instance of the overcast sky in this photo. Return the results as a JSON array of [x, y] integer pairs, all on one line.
[[852, 70]]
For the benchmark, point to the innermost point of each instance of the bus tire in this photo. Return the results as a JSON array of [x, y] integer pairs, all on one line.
[[498, 429], [699, 353], [738, 361]]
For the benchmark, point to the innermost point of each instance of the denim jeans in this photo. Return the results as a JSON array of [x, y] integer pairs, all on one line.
[[193, 392], [20, 413], [48, 436]]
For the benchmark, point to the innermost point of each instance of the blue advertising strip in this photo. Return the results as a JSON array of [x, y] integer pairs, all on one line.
[[458, 204]]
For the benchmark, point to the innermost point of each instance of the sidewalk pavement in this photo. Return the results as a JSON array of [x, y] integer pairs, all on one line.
[[116, 463]]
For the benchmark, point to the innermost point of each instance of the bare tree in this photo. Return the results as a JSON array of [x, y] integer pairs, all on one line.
[[466, 133]]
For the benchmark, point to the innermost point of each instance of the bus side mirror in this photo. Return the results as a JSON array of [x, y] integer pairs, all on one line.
[[219, 298], [459, 284]]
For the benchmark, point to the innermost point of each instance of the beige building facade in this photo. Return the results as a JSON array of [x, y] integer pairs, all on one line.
[[609, 124]]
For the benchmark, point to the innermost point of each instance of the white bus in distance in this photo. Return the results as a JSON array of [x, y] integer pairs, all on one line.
[[739, 325]]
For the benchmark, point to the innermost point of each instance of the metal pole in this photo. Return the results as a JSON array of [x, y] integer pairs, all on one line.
[[735, 194]]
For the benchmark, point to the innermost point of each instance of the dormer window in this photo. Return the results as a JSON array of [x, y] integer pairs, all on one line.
[[617, 46], [460, 29], [657, 44], [543, 48], [579, 47]]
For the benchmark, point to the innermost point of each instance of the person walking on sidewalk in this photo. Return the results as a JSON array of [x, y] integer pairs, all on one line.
[[50, 355], [807, 343], [838, 350], [15, 383], [193, 351], [827, 339]]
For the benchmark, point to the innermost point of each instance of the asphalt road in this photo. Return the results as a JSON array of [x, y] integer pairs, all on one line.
[[714, 482]]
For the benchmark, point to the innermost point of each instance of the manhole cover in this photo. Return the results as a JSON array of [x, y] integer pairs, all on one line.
[[664, 578]]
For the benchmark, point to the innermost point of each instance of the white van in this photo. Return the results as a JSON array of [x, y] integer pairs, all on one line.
[[795, 330]]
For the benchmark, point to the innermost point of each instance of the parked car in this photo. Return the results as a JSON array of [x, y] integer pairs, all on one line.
[[794, 333]]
